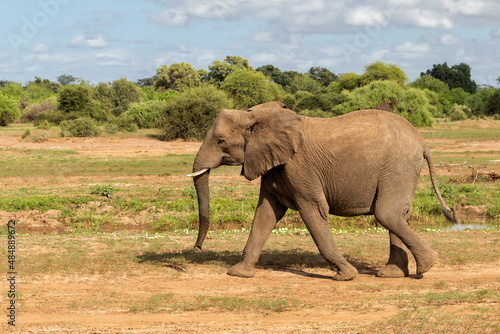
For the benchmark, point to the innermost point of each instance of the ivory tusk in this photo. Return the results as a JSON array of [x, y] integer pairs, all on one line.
[[201, 171]]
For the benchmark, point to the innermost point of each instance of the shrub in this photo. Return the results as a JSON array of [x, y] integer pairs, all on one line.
[[31, 112], [9, 110], [52, 116], [76, 101], [192, 112], [247, 88], [125, 123], [388, 95], [81, 127], [125, 92], [459, 112], [493, 105], [45, 125], [324, 102], [145, 114]]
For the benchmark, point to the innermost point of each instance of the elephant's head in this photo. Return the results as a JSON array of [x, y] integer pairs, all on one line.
[[259, 139]]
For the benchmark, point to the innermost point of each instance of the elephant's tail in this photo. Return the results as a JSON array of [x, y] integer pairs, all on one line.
[[448, 212]]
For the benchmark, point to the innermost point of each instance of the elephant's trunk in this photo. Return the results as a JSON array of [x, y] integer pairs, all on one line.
[[200, 177], [202, 191]]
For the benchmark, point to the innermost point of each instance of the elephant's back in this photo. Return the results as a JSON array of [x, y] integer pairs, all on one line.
[[366, 125]]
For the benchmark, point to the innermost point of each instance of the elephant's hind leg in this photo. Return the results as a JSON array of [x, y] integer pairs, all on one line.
[[394, 220], [397, 265], [320, 231]]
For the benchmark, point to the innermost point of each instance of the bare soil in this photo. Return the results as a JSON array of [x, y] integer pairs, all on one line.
[[331, 307]]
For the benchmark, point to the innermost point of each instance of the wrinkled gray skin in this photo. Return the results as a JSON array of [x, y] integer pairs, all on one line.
[[364, 163]]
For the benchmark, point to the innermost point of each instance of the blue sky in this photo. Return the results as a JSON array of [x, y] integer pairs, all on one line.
[[104, 40]]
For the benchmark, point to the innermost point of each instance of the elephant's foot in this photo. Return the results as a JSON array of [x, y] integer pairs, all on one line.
[[393, 271], [426, 262], [397, 266], [242, 270], [346, 274]]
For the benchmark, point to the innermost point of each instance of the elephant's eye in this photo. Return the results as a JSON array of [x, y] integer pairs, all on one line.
[[220, 141]]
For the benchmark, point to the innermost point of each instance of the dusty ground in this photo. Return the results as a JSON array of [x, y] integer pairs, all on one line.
[[331, 306], [105, 146]]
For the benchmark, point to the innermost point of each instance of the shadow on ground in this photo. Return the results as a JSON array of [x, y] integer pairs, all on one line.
[[292, 261]]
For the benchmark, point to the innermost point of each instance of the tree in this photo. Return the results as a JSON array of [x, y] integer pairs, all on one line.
[[178, 76], [125, 92], [218, 71], [46, 83], [430, 83], [66, 79], [76, 101], [271, 72], [192, 112], [247, 88], [322, 75], [493, 105], [348, 81], [458, 76], [305, 82], [146, 82], [379, 70], [9, 110], [389, 95], [105, 94]]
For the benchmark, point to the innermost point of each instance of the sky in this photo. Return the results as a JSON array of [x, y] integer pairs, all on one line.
[[105, 40]]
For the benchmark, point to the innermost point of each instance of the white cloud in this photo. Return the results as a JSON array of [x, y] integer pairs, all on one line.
[[95, 42], [495, 33], [450, 40], [109, 59], [263, 37], [171, 18], [365, 15], [465, 7], [412, 48], [40, 48], [428, 19], [409, 50]]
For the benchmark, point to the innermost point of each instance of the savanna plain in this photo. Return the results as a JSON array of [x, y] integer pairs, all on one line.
[[106, 227]]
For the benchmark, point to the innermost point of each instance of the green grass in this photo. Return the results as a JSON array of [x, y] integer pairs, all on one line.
[[54, 163], [168, 201], [85, 254]]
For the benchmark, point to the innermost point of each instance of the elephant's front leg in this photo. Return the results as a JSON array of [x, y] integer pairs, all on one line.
[[269, 212]]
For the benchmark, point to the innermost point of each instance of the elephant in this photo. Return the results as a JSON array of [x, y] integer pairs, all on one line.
[[366, 162]]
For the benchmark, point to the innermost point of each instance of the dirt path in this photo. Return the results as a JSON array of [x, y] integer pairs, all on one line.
[[62, 304], [325, 306], [106, 146]]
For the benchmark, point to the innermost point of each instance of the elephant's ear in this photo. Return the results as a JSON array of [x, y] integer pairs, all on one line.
[[271, 140]]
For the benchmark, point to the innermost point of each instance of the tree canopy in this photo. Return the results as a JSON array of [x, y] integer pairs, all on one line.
[[457, 76]]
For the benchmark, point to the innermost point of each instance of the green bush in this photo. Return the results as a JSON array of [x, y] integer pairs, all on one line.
[[125, 92], [192, 112], [52, 116], [81, 127], [125, 123], [145, 114], [388, 95], [76, 101], [493, 105], [459, 112], [323, 102], [247, 88], [9, 110], [32, 111]]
